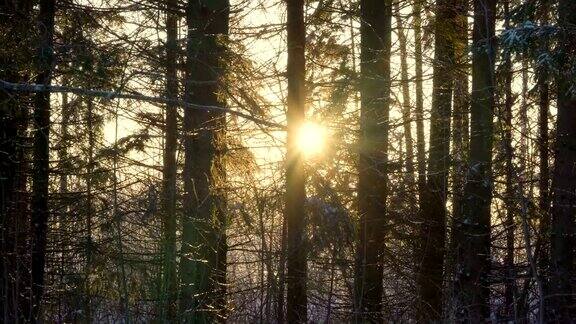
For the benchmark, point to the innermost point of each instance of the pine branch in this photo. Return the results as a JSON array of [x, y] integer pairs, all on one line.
[[110, 95]]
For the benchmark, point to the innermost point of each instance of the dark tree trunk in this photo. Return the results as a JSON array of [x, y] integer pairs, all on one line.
[[40, 212], [419, 91], [507, 311], [375, 30], [543, 241], [473, 230], [281, 273], [169, 283], [433, 204], [88, 243], [204, 218], [461, 111], [295, 177], [460, 138], [15, 31], [406, 109], [561, 302]]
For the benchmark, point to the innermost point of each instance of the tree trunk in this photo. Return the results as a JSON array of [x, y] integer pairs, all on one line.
[[564, 178], [433, 204], [88, 243], [406, 108], [295, 178], [40, 212], [14, 114], [543, 241], [375, 31], [204, 218], [507, 311], [460, 138], [473, 231], [169, 283], [461, 111], [419, 90]]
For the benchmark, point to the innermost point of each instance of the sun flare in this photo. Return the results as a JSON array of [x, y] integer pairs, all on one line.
[[311, 139]]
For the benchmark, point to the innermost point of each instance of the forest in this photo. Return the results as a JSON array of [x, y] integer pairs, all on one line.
[[287, 161]]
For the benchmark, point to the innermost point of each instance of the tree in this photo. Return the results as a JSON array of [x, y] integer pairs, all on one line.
[[375, 32], [473, 230], [294, 210], [204, 220], [406, 104], [460, 137], [564, 175], [169, 279], [16, 41], [506, 124], [417, 11], [40, 212], [433, 204]]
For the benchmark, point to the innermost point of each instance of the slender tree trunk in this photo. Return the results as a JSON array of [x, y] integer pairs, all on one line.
[[295, 177], [169, 283], [406, 107], [418, 57], [509, 281], [14, 114], [203, 221], [89, 244], [461, 111], [473, 232], [433, 204], [460, 139], [564, 177], [543, 241], [281, 273], [40, 212], [375, 30]]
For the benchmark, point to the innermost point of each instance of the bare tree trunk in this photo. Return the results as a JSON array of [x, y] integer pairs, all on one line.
[[89, 244], [406, 107], [433, 203], [375, 30], [40, 212], [281, 273], [543, 241], [295, 177], [564, 178], [418, 57], [169, 280], [460, 140], [510, 280], [202, 221], [473, 231], [14, 115], [461, 111]]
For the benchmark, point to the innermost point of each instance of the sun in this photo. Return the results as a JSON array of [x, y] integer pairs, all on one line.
[[311, 139]]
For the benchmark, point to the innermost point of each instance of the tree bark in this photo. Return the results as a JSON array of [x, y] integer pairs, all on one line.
[[543, 241], [296, 307], [203, 221], [169, 283], [40, 212], [419, 92], [473, 231], [561, 301], [433, 204], [15, 33], [375, 31], [406, 107], [507, 311]]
